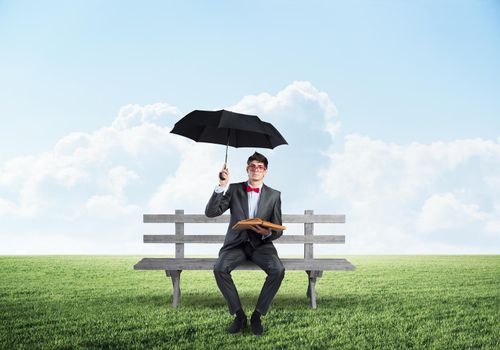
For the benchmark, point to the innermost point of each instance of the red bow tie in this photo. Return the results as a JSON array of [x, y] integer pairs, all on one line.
[[250, 189]]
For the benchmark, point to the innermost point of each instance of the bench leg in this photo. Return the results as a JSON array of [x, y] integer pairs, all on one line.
[[176, 283], [311, 288]]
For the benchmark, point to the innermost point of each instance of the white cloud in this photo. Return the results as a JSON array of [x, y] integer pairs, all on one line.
[[299, 102], [118, 178], [418, 197], [187, 187], [110, 207], [71, 143], [15, 171], [445, 211], [7, 207], [87, 161], [94, 187], [135, 115], [492, 226]]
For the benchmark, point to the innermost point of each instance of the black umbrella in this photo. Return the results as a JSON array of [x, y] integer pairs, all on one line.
[[228, 128]]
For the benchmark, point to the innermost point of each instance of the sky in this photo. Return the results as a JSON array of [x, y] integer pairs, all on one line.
[[390, 109]]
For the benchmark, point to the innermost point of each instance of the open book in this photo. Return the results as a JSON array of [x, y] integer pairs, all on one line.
[[245, 224]]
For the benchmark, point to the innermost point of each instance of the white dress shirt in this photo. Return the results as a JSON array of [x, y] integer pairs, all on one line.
[[253, 201]]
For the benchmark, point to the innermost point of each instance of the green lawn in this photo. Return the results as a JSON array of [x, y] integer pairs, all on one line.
[[441, 302]]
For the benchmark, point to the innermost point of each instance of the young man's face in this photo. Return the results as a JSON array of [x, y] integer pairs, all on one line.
[[256, 171]]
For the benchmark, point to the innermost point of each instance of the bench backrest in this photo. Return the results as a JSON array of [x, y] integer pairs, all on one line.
[[179, 219]]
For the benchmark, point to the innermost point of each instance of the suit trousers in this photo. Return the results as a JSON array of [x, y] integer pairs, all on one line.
[[266, 257]]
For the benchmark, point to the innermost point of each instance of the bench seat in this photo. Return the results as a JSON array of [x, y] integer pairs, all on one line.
[[208, 264]]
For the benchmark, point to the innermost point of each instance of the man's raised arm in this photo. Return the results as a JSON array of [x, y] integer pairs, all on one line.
[[219, 202]]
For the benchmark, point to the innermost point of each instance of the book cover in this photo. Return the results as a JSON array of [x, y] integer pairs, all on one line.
[[245, 224]]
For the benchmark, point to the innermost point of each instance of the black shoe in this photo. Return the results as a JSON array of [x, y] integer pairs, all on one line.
[[257, 328], [239, 323]]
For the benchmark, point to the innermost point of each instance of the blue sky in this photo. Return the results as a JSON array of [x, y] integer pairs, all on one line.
[[398, 74]]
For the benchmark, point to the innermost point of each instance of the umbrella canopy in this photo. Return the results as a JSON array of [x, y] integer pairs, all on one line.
[[228, 128]]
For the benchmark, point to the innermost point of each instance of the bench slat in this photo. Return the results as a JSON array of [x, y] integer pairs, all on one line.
[[200, 218], [208, 264], [185, 239], [290, 239]]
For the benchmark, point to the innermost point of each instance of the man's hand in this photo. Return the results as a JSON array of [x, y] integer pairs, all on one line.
[[261, 230], [224, 176]]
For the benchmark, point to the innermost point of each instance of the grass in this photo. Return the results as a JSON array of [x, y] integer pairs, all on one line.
[[389, 302]]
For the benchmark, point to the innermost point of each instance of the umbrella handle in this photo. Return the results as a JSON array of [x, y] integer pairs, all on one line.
[[227, 146], [225, 160]]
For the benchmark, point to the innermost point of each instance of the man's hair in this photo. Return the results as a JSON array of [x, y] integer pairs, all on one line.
[[258, 157]]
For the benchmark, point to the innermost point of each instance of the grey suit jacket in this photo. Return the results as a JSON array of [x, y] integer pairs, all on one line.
[[236, 200]]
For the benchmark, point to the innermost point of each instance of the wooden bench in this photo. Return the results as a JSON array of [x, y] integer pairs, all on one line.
[[174, 266]]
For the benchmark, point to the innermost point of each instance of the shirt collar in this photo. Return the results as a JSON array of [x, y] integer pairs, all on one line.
[[259, 187]]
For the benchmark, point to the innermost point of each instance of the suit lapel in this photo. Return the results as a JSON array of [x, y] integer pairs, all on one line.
[[262, 200], [244, 197]]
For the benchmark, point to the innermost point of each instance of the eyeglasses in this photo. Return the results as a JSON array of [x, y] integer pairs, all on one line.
[[254, 167]]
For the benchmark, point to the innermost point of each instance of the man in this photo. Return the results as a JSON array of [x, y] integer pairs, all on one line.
[[247, 200]]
